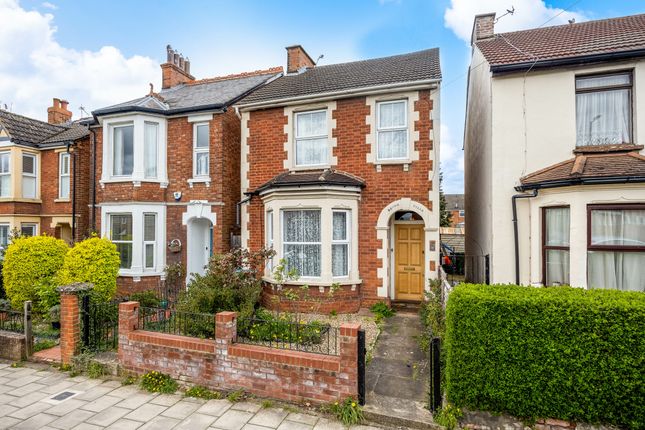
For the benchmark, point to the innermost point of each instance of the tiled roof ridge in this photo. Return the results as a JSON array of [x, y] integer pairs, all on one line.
[[369, 60], [575, 24], [546, 169], [269, 71]]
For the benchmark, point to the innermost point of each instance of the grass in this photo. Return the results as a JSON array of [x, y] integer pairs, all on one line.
[[235, 396], [44, 344], [266, 404]]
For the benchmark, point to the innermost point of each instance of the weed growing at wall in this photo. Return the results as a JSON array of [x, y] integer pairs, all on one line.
[[157, 382], [349, 412]]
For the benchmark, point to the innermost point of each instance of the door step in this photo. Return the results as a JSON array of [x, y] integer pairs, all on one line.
[[398, 413], [409, 307]]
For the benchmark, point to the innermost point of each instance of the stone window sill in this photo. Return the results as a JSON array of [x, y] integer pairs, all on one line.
[[62, 200], [194, 181]]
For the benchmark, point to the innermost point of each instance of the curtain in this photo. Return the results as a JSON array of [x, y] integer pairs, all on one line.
[[339, 251], [29, 187], [616, 270], [603, 116], [301, 237], [5, 178], [201, 159], [64, 187], [557, 234], [392, 130], [311, 151], [618, 227], [557, 267], [150, 149], [123, 151], [311, 138]]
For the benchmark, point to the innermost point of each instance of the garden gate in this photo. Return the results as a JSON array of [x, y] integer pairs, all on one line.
[[99, 324]]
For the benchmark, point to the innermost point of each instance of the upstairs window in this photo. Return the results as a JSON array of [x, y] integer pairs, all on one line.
[[29, 178], [201, 158], [150, 149], [311, 138], [123, 150], [392, 130], [604, 109], [5, 174], [63, 175]]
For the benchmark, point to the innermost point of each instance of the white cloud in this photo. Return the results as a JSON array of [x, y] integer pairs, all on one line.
[[48, 5], [528, 14], [35, 67], [452, 161]]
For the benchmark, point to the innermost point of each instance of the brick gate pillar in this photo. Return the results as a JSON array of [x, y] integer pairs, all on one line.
[[349, 357], [70, 324]]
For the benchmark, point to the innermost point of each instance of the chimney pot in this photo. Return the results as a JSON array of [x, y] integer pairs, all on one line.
[[175, 58], [64, 104], [187, 66], [297, 59], [181, 62], [56, 102], [176, 70], [483, 27]]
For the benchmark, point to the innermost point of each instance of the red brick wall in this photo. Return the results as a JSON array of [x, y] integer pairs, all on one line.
[[345, 300], [456, 219], [266, 155], [222, 364]]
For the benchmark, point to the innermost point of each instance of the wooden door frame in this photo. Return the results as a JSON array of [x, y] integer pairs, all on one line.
[[393, 253]]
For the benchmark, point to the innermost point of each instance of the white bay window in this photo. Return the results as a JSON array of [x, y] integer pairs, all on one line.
[[311, 143], [302, 242], [340, 243], [29, 176], [134, 149], [5, 174]]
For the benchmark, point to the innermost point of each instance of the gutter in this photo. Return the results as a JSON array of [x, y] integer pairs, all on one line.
[[582, 181], [129, 109], [238, 213], [518, 67], [515, 231], [409, 85]]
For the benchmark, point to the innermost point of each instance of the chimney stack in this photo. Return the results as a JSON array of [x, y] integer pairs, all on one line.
[[58, 112], [483, 27], [175, 70], [297, 58]]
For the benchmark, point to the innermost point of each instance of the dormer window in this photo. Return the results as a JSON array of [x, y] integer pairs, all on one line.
[[392, 130], [604, 109], [312, 147]]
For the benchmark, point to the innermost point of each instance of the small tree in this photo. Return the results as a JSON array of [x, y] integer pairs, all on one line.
[[446, 215], [93, 260], [30, 265]]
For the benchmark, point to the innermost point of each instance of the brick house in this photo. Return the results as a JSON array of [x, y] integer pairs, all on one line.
[[340, 176], [40, 190], [455, 205], [166, 165]]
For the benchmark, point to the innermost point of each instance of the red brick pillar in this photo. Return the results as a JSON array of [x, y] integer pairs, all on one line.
[[128, 322], [225, 335], [70, 324], [349, 357]]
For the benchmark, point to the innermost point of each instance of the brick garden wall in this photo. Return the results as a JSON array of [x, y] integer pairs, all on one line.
[[222, 364]]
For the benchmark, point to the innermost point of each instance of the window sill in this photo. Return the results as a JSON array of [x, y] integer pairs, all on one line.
[[67, 200], [205, 180], [163, 183], [126, 273], [20, 199], [607, 148], [317, 283], [397, 161], [312, 167]]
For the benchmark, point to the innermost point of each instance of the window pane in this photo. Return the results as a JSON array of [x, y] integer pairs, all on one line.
[[603, 81], [149, 227], [392, 144], [557, 267], [4, 163], [150, 256], [392, 114], [557, 226], [202, 136], [201, 164], [150, 149], [305, 259], [340, 226], [603, 118], [311, 152], [123, 150], [269, 228], [4, 235], [64, 164], [618, 227], [121, 227], [311, 124], [27, 229], [64, 187], [29, 187], [29, 164], [5, 185], [340, 259], [302, 226], [125, 254], [616, 270]]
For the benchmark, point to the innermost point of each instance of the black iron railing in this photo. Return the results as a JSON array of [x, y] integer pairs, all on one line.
[[12, 320], [99, 325], [285, 333], [177, 322]]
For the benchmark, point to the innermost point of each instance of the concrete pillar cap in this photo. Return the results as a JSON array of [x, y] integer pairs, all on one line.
[[75, 288]]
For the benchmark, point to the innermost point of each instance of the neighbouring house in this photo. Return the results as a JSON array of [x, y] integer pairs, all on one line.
[[555, 167], [165, 172], [40, 189], [455, 205], [453, 250], [340, 176]]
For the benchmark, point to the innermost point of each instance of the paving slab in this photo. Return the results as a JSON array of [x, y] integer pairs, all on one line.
[[166, 399], [30, 411], [108, 416], [145, 412], [28, 399], [94, 393], [160, 423], [66, 407], [180, 410], [36, 422], [102, 403], [292, 425], [196, 422], [215, 408], [124, 424], [86, 426], [302, 418], [232, 420], [135, 400], [7, 422], [246, 407], [71, 420], [326, 424], [269, 417]]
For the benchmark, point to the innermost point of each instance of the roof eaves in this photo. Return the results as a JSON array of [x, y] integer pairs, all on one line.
[[594, 180]]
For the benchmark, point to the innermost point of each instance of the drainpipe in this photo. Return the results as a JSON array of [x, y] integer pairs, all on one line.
[[72, 153], [515, 232], [238, 213], [93, 180]]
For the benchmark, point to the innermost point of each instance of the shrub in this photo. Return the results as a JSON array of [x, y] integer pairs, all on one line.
[[31, 263], [448, 416], [433, 316], [200, 392], [381, 310], [157, 382], [281, 328], [94, 260], [559, 352], [349, 412], [232, 283], [146, 299]]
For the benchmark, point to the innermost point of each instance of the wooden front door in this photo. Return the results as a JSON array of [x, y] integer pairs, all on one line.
[[408, 251]]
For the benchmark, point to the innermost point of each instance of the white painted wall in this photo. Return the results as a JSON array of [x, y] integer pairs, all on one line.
[[532, 126]]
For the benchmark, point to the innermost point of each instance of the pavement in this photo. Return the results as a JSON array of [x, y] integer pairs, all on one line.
[[39, 397], [397, 377]]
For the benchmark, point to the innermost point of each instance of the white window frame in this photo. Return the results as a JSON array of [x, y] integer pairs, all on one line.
[[146, 124], [29, 224], [462, 213], [269, 236], [8, 227], [137, 211], [347, 241], [201, 150], [380, 129], [285, 243], [29, 175], [62, 174], [7, 173], [131, 242], [297, 138], [146, 243], [112, 133]]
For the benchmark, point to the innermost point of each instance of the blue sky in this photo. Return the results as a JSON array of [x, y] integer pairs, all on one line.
[[97, 53]]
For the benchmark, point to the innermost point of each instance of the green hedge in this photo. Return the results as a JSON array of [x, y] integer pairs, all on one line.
[[547, 353]]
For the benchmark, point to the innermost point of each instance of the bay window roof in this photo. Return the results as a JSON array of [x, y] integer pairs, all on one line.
[[36, 133], [327, 177]]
